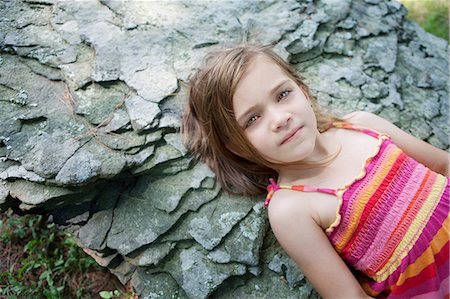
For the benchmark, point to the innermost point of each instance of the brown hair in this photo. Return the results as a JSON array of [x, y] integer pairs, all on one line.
[[210, 131]]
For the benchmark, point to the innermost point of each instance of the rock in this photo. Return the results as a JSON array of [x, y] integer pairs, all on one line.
[[79, 169], [217, 219], [91, 99], [19, 172], [156, 285], [93, 234], [282, 264], [381, 51], [97, 103], [141, 112], [245, 241], [150, 255], [198, 276], [36, 194]]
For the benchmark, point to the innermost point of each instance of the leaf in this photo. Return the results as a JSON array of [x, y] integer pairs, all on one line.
[[106, 294], [59, 262]]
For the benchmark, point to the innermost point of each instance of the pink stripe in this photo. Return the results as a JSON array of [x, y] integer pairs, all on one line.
[[349, 203], [392, 219], [326, 190], [405, 224], [380, 210], [423, 243], [430, 230], [441, 273], [436, 285], [440, 214], [370, 132]]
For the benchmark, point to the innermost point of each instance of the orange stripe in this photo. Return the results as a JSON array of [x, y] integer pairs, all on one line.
[[415, 227], [297, 187], [372, 205], [373, 272], [366, 194], [427, 258]]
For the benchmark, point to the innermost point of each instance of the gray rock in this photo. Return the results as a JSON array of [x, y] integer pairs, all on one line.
[[93, 234], [162, 155], [34, 194], [156, 285], [123, 271], [245, 241], [374, 19], [80, 168], [44, 154], [374, 90], [97, 103], [4, 192], [198, 276], [335, 10], [340, 43], [217, 219], [172, 188], [381, 51], [91, 99], [282, 264], [150, 255], [143, 203], [141, 112], [19, 172]]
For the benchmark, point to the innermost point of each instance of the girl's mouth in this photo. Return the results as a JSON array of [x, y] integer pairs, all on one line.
[[291, 135]]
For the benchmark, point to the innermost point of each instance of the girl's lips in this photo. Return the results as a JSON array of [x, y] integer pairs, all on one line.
[[291, 135]]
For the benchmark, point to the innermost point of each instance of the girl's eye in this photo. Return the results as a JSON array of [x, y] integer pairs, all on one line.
[[283, 94], [251, 121]]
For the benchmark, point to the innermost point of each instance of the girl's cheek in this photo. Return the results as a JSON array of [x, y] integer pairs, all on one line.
[[260, 136]]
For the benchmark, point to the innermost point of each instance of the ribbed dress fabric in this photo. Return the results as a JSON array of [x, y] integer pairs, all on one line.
[[392, 224]]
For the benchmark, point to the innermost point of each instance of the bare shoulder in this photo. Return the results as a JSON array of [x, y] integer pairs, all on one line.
[[285, 202], [370, 120], [432, 157], [377, 123], [288, 207]]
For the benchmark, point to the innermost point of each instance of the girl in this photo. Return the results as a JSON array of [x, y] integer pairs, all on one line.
[[354, 192]]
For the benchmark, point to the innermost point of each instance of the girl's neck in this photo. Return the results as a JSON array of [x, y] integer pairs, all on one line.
[[327, 145]]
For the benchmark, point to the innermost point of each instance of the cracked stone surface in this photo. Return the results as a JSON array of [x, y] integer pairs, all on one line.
[[91, 98]]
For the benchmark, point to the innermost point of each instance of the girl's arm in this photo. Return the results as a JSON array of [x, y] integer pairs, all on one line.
[[306, 243], [430, 156]]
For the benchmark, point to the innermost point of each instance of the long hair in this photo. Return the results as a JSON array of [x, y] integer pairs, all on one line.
[[210, 131]]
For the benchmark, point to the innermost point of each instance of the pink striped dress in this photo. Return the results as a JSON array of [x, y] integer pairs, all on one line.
[[392, 225]]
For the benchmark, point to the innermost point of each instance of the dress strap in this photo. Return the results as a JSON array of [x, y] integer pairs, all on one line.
[[349, 126], [273, 186]]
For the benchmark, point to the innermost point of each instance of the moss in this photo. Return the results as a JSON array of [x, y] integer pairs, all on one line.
[[431, 15]]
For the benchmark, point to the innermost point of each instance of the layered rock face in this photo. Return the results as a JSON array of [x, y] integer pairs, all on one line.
[[91, 96]]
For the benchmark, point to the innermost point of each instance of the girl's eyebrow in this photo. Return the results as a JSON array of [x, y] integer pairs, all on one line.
[[251, 108], [273, 90]]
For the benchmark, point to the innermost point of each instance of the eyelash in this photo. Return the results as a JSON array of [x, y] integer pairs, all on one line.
[[287, 90], [249, 122], [280, 97]]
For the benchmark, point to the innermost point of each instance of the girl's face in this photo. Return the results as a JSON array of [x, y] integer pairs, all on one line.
[[274, 113]]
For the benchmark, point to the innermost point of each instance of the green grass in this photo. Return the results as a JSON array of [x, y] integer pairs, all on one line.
[[39, 261], [431, 15]]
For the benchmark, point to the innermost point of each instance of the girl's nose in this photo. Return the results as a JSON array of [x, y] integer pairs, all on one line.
[[280, 120]]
